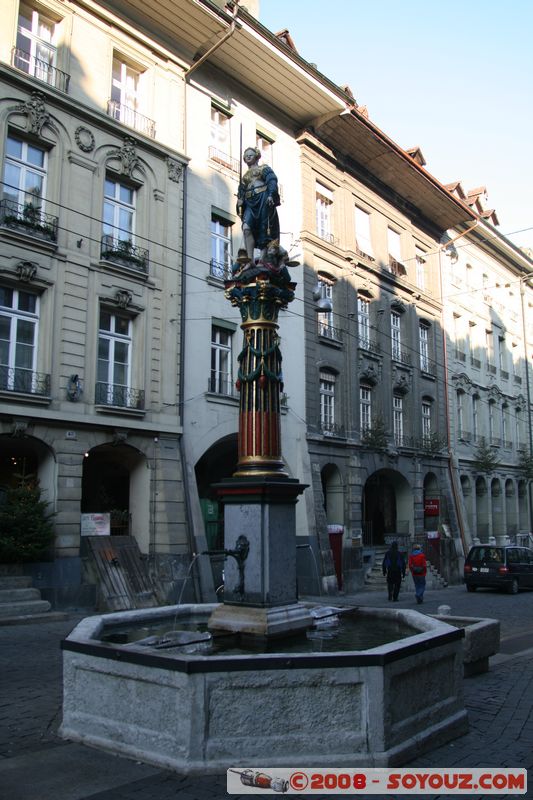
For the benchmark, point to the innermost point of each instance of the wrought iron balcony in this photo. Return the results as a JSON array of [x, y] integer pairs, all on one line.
[[223, 159], [122, 251], [491, 368], [517, 379], [428, 366], [39, 69], [222, 384], [460, 356], [402, 356], [396, 267], [475, 362], [28, 218], [365, 256], [24, 381], [113, 394], [220, 269], [329, 331], [131, 118], [330, 428], [370, 345]]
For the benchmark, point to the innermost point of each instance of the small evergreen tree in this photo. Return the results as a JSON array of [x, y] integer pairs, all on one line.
[[486, 459], [26, 532], [526, 465]]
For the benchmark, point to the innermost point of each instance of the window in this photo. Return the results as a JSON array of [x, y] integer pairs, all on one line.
[[396, 335], [502, 357], [265, 147], [489, 345], [220, 381], [362, 233], [395, 253], [35, 52], [327, 402], [324, 203], [119, 211], [19, 315], [24, 176], [363, 317], [124, 91], [420, 257], [325, 318], [220, 247], [220, 130], [475, 416], [423, 338], [365, 408], [518, 428], [460, 413], [505, 411], [491, 421], [397, 408], [114, 365], [426, 421]]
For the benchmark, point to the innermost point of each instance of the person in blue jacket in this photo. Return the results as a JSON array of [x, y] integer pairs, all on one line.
[[394, 568]]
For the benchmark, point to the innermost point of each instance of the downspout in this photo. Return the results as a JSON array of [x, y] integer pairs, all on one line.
[[451, 466], [218, 44]]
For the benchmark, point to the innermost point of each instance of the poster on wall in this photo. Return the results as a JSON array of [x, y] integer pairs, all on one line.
[[96, 524]]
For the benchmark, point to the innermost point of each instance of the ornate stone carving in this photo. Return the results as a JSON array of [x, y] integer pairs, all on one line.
[[36, 112], [120, 436], [127, 155], [123, 298], [401, 384], [462, 381], [369, 373], [84, 139], [398, 305], [175, 170], [19, 427], [26, 271]]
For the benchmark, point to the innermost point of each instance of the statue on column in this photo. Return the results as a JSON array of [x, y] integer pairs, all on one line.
[[257, 200]]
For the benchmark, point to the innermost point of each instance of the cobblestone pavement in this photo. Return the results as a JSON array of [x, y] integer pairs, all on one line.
[[35, 764]]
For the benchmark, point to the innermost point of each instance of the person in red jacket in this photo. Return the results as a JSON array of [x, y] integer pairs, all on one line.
[[418, 568]]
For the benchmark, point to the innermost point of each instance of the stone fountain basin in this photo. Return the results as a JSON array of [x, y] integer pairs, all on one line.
[[482, 640], [198, 713]]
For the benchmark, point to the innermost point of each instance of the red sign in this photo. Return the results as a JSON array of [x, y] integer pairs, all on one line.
[[431, 507]]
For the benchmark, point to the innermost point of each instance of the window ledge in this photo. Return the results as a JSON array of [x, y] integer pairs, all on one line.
[[23, 397], [121, 410], [222, 399], [122, 268]]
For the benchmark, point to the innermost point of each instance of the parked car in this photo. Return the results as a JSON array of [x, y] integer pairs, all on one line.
[[508, 567]]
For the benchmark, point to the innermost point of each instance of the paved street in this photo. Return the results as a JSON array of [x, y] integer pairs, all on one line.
[[36, 765]]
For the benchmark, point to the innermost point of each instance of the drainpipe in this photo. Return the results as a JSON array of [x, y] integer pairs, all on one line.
[[451, 466], [218, 44], [523, 279]]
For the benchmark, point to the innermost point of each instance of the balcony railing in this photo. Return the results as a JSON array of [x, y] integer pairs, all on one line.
[[28, 218], [370, 345], [465, 436], [495, 441], [24, 381], [329, 331], [504, 374], [224, 159], [491, 368], [507, 443], [330, 428], [220, 269], [402, 356], [122, 251], [222, 384], [517, 379], [428, 366], [113, 394], [475, 362], [366, 256], [460, 356], [131, 118], [328, 237], [39, 69]]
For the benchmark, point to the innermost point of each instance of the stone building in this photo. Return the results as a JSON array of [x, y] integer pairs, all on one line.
[[488, 324]]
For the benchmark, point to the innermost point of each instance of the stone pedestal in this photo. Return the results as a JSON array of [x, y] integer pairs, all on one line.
[[260, 594]]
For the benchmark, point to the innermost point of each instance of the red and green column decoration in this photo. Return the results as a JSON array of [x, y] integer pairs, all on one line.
[[260, 291]]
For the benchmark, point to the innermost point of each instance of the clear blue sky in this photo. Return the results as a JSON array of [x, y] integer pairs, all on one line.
[[455, 78]]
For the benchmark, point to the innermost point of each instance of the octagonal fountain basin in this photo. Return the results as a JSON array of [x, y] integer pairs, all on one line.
[[153, 685]]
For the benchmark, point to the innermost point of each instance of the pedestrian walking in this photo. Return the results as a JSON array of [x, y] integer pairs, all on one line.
[[394, 568], [418, 567]]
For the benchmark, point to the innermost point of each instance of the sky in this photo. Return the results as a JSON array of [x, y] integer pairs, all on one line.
[[454, 78]]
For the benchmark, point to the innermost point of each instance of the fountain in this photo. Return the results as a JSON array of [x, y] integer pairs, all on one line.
[[271, 691]]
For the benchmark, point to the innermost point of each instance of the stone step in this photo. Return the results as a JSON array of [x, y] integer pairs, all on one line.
[[18, 595], [25, 608], [14, 581]]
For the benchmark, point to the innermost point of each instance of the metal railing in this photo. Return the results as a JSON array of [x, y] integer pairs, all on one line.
[[223, 158], [328, 237], [124, 252], [113, 394], [517, 379], [396, 267], [460, 355], [331, 428], [39, 69], [221, 383], [24, 381], [128, 116], [400, 355], [329, 331], [220, 269], [28, 218], [370, 345], [475, 362], [491, 368]]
